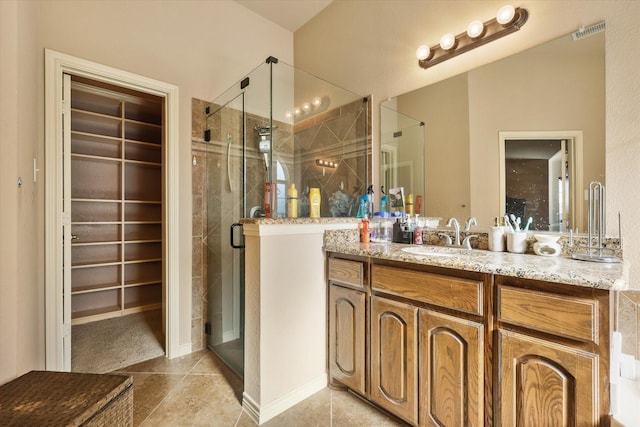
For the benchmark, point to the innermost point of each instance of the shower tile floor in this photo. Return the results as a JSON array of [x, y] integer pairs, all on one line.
[[199, 390]]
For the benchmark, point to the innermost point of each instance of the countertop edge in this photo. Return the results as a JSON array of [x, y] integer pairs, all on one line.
[[561, 270]]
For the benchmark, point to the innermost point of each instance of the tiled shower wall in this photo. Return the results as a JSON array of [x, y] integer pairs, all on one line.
[[341, 135]]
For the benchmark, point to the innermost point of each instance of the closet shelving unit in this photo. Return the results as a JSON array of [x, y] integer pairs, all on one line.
[[116, 202]]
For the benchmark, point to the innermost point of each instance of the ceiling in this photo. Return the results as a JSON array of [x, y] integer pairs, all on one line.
[[289, 14]]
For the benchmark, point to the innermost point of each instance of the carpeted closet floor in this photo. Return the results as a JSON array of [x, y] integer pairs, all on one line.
[[107, 345]]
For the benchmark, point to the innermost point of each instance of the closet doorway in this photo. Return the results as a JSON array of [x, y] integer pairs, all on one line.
[[110, 230], [116, 142]]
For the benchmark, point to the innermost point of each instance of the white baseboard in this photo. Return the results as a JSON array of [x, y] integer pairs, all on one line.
[[625, 392], [262, 414], [183, 350]]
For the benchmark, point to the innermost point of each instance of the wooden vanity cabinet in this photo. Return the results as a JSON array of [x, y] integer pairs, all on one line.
[[552, 353], [394, 357], [451, 366], [347, 320], [428, 345], [454, 348]]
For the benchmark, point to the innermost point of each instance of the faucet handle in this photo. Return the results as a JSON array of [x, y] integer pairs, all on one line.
[[471, 221], [467, 241], [447, 238]]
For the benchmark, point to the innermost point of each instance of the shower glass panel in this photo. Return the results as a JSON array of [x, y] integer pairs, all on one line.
[[402, 154], [270, 130]]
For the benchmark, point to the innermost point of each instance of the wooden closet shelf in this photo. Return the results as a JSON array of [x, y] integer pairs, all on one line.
[[93, 288], [98, 243], [133, 283]]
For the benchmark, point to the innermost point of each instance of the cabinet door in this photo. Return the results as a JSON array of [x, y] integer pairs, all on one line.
[[451, 371], [347, 337], [394, 357], [543, 383]]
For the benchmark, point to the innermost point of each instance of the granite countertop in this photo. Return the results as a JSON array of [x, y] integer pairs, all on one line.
[[292, 221], [562, 269]]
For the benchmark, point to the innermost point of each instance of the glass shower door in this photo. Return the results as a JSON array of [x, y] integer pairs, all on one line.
[[225, 205]]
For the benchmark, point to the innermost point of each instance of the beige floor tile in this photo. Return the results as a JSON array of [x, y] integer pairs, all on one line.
[[198, 400], [313, 411], [179, 365], [245, 421], [349, 410], [149, 390], [200, 390]]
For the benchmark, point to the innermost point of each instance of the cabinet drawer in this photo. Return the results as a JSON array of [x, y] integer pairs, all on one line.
[[346, 272], [562, 315], [445, 291]]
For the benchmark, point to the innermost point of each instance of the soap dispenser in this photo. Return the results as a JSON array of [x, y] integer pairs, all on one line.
[[496, 237]]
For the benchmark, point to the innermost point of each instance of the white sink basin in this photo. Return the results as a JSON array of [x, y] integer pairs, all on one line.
[[438, 251]]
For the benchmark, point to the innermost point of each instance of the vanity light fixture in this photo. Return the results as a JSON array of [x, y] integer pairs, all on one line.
[[308, 108], [326, 163], [507, 20]]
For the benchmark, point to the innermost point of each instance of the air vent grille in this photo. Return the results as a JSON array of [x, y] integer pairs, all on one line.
[[588, 31]]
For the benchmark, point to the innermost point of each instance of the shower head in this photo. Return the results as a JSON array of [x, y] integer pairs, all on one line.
[[265, 130]]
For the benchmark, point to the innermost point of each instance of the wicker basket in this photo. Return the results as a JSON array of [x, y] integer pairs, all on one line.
[[43, 398]]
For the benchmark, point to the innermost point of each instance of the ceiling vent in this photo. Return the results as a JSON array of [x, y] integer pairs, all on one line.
[[588, 31]]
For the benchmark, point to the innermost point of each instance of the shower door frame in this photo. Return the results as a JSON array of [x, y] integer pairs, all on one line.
[[237, 294]]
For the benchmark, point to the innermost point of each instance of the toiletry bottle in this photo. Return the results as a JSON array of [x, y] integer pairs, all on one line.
[[409, 203], [292, 201], [417, 207], [364, 231], [370, 200], [496, 237], [384, 201], [267, 199], [417, 232], [314, 202]]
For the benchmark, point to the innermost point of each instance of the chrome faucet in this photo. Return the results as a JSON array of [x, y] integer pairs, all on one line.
[[456, 228], [471, 221], [466, 243]]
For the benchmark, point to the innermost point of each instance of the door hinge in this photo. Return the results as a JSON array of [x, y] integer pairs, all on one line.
[[66, 330]]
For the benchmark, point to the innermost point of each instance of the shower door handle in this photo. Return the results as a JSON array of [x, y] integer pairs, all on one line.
[[232, 235]]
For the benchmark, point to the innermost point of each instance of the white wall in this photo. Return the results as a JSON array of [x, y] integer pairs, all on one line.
[[371, 50], [203, 47]]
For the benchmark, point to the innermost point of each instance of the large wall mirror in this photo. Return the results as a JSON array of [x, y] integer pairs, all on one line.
[[489, 131]]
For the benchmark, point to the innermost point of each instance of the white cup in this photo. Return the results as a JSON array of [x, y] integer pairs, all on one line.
[[517, 242]]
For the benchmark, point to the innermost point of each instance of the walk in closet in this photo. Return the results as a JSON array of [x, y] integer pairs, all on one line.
[[116, 163]]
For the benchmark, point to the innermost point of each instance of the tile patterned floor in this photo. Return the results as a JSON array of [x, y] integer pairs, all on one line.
[[199, 390]]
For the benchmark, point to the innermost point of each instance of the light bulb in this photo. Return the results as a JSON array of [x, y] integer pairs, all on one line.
[[475, 29], [316, 101], [423, 52], [448, 41], [297, 111], [505, 14], [306, 106], [288, 114]]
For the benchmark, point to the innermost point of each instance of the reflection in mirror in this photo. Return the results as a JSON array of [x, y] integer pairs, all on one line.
[[538, 176], [402, 153], [558, 86]]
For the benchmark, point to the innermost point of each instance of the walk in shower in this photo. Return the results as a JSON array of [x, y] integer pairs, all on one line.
[[276, 127]]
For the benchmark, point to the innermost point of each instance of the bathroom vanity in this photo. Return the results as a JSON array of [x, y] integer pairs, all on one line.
[[443, 337]]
